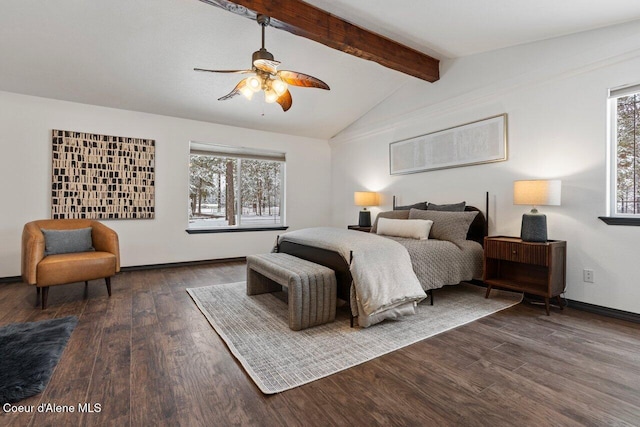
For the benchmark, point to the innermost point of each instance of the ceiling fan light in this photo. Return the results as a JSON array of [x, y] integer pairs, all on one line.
[[247, 92], [279, 86], [254, 83], [270, 96]]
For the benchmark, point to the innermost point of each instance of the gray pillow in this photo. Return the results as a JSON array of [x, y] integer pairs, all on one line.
[[451, 226], [453, 207], [67, 241], [403, 214], [421, 205]]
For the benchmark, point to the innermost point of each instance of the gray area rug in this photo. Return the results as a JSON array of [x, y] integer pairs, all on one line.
[[256, 331], [29, 352]]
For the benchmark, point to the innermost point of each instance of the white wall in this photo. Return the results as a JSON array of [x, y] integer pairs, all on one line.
[[554, 93], [25, 177]]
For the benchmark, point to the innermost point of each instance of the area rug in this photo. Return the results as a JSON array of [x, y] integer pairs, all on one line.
[[256, 330], [29, 352]]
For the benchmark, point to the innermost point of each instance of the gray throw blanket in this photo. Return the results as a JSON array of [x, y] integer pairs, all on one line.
[[383, 279]]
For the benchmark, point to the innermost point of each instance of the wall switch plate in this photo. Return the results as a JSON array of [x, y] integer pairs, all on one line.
[[587, 275]]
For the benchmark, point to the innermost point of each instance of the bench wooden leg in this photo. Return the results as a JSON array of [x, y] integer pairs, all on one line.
[[108, 281]]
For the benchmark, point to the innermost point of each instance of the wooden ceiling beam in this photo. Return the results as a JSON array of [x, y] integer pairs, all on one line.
[[305, 20]]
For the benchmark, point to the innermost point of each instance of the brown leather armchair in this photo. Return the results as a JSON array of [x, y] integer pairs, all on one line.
[[44, 271]]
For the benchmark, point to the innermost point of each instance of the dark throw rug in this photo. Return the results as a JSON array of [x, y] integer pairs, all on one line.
[[28, 354]]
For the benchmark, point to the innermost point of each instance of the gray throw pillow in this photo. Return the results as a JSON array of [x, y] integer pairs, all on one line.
[[421, 205], [451, 226], [67, 241], [453, 207], [403, 214]]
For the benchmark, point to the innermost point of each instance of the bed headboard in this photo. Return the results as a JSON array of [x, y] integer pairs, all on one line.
[[479, 228]]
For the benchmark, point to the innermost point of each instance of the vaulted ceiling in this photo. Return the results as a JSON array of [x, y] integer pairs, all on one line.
[[139, 54]]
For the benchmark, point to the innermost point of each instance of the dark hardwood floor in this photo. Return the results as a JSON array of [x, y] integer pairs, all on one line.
[[150, 358]]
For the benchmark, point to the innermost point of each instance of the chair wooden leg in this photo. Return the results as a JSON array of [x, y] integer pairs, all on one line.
[[45, 294], [37, 296], [108, 281], [86, 283]]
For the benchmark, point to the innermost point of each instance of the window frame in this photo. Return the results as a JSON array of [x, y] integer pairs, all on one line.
[[240, 154], [613, 216]]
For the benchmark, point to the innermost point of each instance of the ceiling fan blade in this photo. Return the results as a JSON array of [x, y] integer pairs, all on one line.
[[224, 71], [267, 65], [285, 100], [235, 91], [299, 79]]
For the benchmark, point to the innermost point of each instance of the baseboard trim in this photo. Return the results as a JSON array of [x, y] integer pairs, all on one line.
[[14, 279], [578, 305], [604, 311], [182, 264], [590, 308]]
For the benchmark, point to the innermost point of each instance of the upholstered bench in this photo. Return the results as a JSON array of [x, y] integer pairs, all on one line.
[[311, 287]]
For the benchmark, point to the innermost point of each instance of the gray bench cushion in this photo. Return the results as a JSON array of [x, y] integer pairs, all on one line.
[[311, 287]]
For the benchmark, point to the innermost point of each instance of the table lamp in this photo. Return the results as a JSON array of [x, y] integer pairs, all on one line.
[[364, 199], [538, 192]]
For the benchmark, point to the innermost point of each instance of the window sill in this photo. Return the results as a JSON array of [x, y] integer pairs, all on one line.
[[232, 230], [617, 220]]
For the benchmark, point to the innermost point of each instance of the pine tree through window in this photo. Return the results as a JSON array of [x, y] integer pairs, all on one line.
[[625, 151], [235, 187]]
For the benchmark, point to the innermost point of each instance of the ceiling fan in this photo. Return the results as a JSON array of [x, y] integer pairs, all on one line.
[[267, 78]]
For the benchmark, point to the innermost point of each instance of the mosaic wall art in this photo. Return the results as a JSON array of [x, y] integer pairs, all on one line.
[[102, 177]]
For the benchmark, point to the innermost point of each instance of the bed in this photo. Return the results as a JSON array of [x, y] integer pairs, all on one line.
[[436, 262]]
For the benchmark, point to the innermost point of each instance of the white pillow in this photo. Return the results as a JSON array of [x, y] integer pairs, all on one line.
[[411, 228]]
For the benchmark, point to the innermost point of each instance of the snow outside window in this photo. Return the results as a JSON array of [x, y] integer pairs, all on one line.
[[231, 187], [624, 154]]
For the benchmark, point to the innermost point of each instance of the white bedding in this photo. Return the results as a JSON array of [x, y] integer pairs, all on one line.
[[384, 282]]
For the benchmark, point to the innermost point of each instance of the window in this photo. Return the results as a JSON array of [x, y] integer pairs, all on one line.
[[235, 189], [624, 191]]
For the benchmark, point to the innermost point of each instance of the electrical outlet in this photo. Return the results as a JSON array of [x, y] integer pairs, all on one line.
[[587, 275]]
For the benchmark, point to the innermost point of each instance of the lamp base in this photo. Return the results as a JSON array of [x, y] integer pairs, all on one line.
[[364, 220], [534, 227]]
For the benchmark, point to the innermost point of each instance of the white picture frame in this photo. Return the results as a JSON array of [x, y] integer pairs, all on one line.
[[474, 143]]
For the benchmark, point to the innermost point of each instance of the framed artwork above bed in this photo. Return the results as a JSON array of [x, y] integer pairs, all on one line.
[[474, 143]]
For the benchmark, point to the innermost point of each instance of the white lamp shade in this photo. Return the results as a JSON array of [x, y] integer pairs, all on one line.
[[365, 198], [538, 192]]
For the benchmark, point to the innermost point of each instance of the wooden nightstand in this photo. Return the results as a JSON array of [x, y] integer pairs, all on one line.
[[358, 228], [534, 268]]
